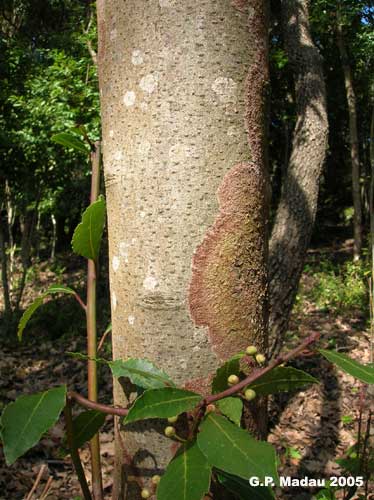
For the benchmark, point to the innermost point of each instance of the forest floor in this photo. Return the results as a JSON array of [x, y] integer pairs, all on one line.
[[310, 428]]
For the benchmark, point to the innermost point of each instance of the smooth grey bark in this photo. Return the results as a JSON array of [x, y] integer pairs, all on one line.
[[182, 88], [354, 142], [297, 207]]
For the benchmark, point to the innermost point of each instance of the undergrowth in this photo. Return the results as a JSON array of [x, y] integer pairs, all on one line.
[[336, 287]]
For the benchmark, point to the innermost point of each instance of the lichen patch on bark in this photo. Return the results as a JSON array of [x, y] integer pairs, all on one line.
[[228, 282]]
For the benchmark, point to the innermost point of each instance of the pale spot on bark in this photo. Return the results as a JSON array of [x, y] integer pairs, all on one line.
[[251, 12], [111, 133], [167, 3], [178, 152], [143, 106], [131, 319], [232, 131], [113, 34], [142, 214], [200, 22], [137, 57], [124, 250], [149, 83], [118, 155], [114, 301], [115, 263], [150, 283], [144, 148], [129, 98], [225, 88], [183, 364]]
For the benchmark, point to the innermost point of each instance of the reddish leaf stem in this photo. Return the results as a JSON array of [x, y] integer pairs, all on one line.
[[80, 301], [93, 405]]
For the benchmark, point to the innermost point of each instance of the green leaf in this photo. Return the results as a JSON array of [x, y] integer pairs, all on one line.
[[242, 489], [233, 450], [365, 373], [281, 379], [162, 403], [37, 303], [232, 408], [351, 465], [326, 494], [187, 476], [141, 372], [108, 329], [87, 235], [86, 425], [25, 421], [231, 367], [70, 141]]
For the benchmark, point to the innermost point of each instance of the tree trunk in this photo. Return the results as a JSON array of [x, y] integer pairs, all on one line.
[[182, 93], [4, 272], [297, 207], [353, 139], [11, 217], [54, 237]]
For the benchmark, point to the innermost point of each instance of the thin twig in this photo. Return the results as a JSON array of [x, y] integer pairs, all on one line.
[[36, 482], [47, 487], [86, 31], [363, 463], [102, 340], [74, 453], [91, 327], [361, 409]]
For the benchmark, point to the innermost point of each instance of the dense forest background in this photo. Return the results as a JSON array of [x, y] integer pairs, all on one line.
[[49, 85]]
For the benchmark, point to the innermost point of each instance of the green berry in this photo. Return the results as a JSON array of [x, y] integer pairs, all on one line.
[[172, 420], [156, 479], [145, 493], [232, 379], [169, 431], [260, 358], [249, 394], [251, 350]]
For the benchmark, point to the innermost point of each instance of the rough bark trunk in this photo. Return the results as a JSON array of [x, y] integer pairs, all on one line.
[[182, 92], [296, 211], [354, 143]]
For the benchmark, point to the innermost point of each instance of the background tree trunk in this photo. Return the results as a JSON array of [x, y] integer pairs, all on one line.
[[4, 272], [175, 78], [353, 139], [297, 207]]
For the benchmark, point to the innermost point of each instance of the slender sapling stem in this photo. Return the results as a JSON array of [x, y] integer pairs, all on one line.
[[97, 486]]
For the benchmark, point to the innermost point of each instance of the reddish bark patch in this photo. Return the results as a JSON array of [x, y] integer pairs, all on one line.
[[229, 280], [200, 385], [241, 5]]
